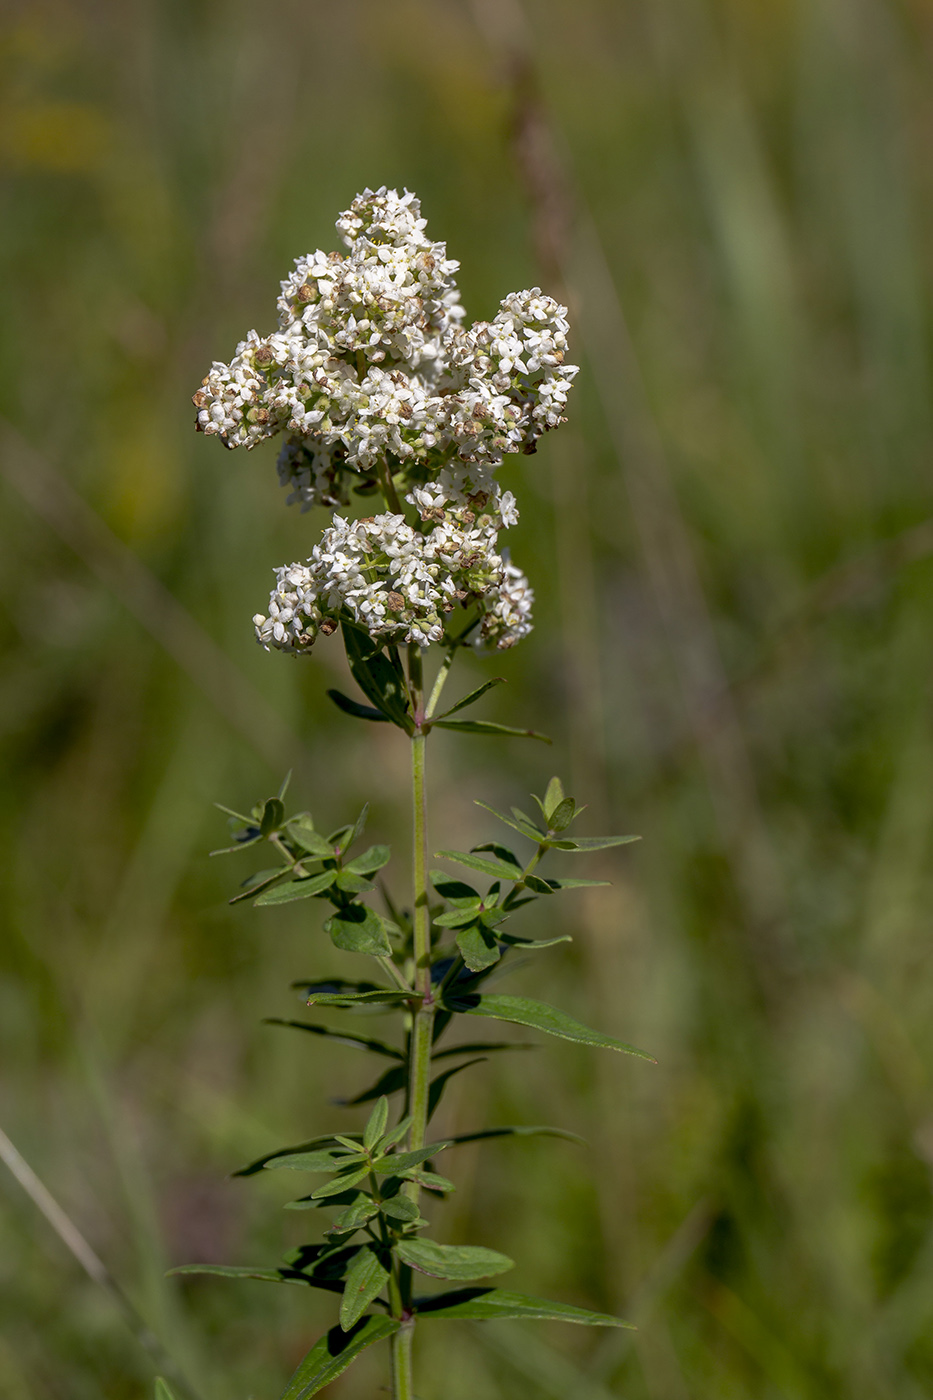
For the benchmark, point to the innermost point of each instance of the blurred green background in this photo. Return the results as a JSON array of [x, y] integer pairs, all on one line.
[[732, 546]]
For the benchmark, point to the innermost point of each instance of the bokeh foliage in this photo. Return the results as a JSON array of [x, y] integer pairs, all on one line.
[[735, 598]]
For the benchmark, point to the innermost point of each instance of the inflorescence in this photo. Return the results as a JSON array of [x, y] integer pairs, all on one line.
[[377, 385]]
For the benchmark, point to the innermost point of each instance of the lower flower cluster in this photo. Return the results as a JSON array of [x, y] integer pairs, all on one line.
[[402, 584]]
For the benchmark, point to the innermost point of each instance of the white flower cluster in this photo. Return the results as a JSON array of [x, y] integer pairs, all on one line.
[[399, 583], [376, 385], [370, 360]]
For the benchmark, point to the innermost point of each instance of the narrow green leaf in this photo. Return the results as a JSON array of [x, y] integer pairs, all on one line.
[[396, 1162], [376, 1124], [430, 1181], [240, 846], [400, 1208], [358, 929], [520, 1131], [460, 895], [363, 1208], [377, 677], [370, 861], [500, 852], [361, 1042], [485, 865], [517, 822], [327, 1140], [382, 997], [457, 1261], [474, 1047], [340, 1183], [304, 888], [323, 1161], [238, 1272], [553, 797], [353, 707], [260, 881], [353, 884], [396, 1135], [488, 1304], [331, 1356], [365, 1281], [592, 843], [440, 1082], [163, 1391], [359, 826], [285, 784], [473, 696], [273, 815], [521, 1011], [391, 1082], [335, 986], [541, 886], [531, 943], [486, 726], [478, 948], [247, 821], [301, 830], [459, 918], [562, 815]]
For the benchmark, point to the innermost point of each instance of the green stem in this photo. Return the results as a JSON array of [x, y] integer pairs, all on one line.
[[401, 1362], [387, 486], [440, 682]]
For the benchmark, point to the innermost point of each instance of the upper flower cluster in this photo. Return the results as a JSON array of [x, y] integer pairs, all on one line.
[[371, 361], [375, 383]]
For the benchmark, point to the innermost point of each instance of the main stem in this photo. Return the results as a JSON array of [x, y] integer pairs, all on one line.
[[422, 1031]]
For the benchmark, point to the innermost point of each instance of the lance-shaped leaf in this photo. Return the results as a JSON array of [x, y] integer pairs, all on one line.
[[439, 1084], [361, 1042], [303, 888], [460, 895], [489, 1304], [359, 929], [540, 886], [522, 1011], [326, 1160], [370, 861], [514, 941], [362, 1209], [331, 1356], [377, 676], [239, 1272], [486, 726], [474, 1047], [376, 1124], [335, 986], [400, 1208], [591, 843], [478, 947], [365, 1281], [486, 865], [353, 707], [391, 1082], [516, 1131], [394, 1163], [472, 697], [273, 815], [301, 831], [522, 824], [381, 997], [327, 1140], [339, 1184], [430, 1181], [260, 881], [163, 1391], [457, 1261]]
